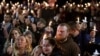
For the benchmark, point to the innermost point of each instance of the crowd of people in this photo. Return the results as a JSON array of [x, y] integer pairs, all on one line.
[[45, 29]]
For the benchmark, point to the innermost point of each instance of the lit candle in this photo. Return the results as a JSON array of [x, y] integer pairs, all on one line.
[[71, 5], [11, 42], [56, 5], [24, 11], [64, 6], [32, 1], [97, 4], [78, 20], [3, 22], [50, 23], [27, 28], [89, 4], [44, 36], [94, 28], [85, 20], [32, 11], [7, 11], [78, 5]]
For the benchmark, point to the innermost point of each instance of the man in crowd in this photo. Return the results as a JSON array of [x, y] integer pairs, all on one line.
[[65, 42]]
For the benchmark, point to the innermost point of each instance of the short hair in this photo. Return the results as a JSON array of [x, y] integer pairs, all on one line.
[[73, 26], [64, 24]]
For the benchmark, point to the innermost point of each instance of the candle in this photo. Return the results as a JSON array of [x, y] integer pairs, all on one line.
[[78, 20], [88, 4], [11, 42], [3, 22], [56, 5], [24, 11], [71, 5], [32, 1], [44, 36], [32, 11], [50, 23], [7, 11], [97, 4], [27, 28], [85, 20], [64, 6], [94, 28], [78, 5]]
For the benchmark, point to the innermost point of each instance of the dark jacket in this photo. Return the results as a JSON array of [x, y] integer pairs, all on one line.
[[69, 47]]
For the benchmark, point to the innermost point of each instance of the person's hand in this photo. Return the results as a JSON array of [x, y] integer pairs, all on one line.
[[9, 50]]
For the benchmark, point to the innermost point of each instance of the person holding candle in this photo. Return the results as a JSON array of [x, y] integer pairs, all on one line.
[[14, 33], [65, 42], [48, 47], [22, 47]]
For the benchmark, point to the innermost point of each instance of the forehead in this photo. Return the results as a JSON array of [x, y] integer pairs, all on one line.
[[21, 37], [45, 42], [62, 28]]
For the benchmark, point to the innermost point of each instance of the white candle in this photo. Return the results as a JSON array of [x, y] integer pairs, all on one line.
[[44, 36], [94, 28], [11, 42], [78, 20], [78, 5], [64, 6], [27, 28], [32, 11], [71, 5], [7, 11], [3, 22], [50, 23], [97, 4], [56, 5], [85, 19]]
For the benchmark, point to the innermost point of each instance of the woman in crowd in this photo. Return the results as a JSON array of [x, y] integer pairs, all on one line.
[[31, 37], [22, 47], [14, 33], [47, 48]]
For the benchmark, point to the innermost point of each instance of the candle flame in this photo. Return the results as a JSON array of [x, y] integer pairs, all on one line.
[[44, 36], [3, 22], [85, 19], [78, 20], [94, 28], [50, 23], [27, 28]]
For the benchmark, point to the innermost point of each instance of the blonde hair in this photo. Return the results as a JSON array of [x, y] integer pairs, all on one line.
[[28, 47]]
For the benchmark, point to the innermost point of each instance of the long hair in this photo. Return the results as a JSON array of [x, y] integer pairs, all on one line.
[[28, 47]]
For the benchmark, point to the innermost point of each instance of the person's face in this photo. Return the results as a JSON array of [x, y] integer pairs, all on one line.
[[15, 34], [7, 18], [27, 21], [76, 33], [40, 24], [47, 47], [61, 33], [21, 42]]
